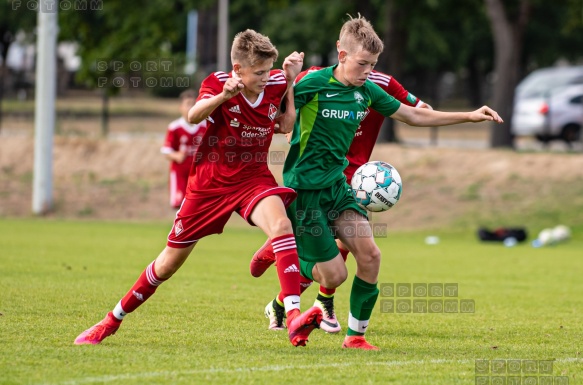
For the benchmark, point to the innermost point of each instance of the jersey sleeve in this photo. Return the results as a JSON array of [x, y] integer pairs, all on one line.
[[382, 102], [401, 94], [212, 85], [169, 145], [304, 90]]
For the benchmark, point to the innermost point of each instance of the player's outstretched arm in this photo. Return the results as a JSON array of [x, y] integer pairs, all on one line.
[[204, 107], [424, 117]]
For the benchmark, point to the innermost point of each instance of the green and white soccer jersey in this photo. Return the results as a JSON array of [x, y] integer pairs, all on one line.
[[329, 114]]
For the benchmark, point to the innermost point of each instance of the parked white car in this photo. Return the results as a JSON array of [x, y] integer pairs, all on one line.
[[549, 105]]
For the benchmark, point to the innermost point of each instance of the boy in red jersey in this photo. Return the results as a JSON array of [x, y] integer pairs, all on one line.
[[358, 154], [230, 174], [181, 142]]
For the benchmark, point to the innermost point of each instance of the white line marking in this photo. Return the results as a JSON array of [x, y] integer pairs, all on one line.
[[272, 368]]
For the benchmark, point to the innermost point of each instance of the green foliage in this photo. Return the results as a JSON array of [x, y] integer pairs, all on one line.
[[206, 324], [126, 32]]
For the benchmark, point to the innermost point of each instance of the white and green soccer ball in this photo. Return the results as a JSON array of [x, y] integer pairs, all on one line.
[[376, 186]]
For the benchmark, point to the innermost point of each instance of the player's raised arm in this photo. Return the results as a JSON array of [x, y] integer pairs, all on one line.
[[425, 117], [285, 121], [292, 66], [204, 107]]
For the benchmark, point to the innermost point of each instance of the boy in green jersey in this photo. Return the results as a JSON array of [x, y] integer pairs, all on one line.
[[331, 103]]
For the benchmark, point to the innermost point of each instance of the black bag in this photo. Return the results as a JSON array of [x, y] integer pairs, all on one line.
[[500, 234]]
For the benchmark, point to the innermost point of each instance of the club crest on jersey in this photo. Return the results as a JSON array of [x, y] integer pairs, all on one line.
[[235, 123], [358, 97], [178, 227], [272, 111]]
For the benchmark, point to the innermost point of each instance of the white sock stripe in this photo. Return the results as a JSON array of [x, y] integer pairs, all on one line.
[[150, 275], [279, 245], [284, 248], [284, 241], [357, 325]]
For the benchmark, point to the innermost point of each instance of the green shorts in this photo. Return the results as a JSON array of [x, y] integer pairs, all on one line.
[[313, 214]]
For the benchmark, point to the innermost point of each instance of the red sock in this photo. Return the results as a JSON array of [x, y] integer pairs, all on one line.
[[328, 292], [288, 269], [344, 253], [143, 289], [304, 283]]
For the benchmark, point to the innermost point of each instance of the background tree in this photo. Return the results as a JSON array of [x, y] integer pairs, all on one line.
[[508, 22], [154, 30], [14, 17]]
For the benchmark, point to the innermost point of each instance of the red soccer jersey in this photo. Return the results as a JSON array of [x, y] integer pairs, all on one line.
[[183, 136], [235, 148], [368, 131]]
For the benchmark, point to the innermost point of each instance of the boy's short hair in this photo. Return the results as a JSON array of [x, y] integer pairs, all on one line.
[[250, 47], [188, 94], [358, 32]]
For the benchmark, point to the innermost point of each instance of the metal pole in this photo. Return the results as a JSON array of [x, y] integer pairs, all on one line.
[[223, 44], [44, 117], [191, 41]]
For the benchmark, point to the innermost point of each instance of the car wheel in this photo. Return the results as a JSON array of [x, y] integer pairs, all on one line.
[[571, 133]]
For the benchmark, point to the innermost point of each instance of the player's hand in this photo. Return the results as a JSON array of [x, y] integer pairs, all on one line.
[[425, 105], [232, 87], [485, 113], [288, 136], [292, 65], [179, 156]]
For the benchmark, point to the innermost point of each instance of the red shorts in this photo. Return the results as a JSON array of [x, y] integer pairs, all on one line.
[[205, 214]]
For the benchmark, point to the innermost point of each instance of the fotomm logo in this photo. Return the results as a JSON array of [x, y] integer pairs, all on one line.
[[423, 298], [52, 6], [517, 372]]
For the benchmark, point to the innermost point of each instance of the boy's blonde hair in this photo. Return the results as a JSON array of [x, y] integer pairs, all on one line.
[[358, 33], [250, 47]]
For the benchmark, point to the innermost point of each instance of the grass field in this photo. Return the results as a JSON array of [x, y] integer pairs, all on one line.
[[206, 324]]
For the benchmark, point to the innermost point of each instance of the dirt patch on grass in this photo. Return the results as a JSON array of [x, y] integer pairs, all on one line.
[[126, 179]]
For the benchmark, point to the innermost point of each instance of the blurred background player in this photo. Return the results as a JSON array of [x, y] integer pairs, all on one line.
[[181, 142], [230, 174], [358, 154]]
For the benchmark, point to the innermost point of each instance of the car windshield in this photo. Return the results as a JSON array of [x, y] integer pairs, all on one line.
[[541, 84]]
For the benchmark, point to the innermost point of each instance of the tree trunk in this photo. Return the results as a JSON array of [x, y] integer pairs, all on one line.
[[392, 58], [7, 39], [474, 83], [105, 113], [508, 45]]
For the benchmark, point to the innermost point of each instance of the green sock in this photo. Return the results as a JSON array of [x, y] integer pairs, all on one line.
[[362, 300]]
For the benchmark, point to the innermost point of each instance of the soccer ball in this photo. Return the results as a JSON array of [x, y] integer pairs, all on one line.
[[376, 186]]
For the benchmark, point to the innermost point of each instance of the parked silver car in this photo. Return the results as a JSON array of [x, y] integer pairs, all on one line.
[[548, 104]]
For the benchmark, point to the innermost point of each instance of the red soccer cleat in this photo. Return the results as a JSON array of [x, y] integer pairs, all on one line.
[[97, 333], [301, 325], [262, 259], [357, 342]]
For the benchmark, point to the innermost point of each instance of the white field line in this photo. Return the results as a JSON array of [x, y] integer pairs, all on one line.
[[271, 368]]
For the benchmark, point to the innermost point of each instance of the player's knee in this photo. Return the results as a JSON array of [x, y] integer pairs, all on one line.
[[335, 279], [281, 226], [170, 261], [370, 258]]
